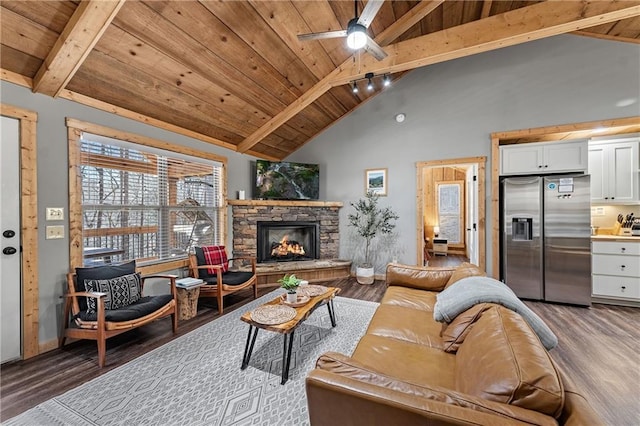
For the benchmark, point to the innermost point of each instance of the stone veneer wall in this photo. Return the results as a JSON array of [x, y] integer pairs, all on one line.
[[247, 213]]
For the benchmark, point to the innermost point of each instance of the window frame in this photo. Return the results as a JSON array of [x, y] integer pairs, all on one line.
[[75, 128]]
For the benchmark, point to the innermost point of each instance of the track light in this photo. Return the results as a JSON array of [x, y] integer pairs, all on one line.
[[386, 81], [369, 76]]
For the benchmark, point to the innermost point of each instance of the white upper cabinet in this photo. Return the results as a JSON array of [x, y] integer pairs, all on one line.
[[614, 167], [544, 157]]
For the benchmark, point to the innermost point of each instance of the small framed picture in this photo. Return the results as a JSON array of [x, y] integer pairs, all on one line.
[[376, 181]]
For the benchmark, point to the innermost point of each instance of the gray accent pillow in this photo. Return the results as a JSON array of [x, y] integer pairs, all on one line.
[[120, 291], [473, 290]]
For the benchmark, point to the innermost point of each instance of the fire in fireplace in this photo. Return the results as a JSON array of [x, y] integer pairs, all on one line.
[[288, 241]]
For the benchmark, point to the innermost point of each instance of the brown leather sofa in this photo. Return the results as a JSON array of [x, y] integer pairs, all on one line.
[[404, 372]]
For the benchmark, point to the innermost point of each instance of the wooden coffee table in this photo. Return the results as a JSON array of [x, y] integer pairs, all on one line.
[[288, 328]]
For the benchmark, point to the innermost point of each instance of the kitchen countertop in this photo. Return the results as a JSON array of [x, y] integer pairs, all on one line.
[[615, 238]]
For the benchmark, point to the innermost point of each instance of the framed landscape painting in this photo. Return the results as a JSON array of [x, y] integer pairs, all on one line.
[[376, 181]]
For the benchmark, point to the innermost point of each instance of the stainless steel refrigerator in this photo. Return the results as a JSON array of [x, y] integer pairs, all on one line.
[[546, 245]]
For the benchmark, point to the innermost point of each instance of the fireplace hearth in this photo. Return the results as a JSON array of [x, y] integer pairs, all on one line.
[[282, 241]]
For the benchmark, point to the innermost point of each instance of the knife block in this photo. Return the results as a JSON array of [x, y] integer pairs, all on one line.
[[617, 229]]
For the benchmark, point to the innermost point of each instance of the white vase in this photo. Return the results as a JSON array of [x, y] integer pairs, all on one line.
[[364, 275], [292, 297]]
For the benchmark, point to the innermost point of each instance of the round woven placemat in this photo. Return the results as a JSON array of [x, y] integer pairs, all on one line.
[[273, 314], [312, 290]]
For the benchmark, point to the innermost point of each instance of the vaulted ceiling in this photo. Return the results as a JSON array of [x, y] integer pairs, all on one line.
[[233, 73]]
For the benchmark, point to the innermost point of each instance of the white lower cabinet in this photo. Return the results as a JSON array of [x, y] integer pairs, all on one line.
[[612, 286], [615, 268]]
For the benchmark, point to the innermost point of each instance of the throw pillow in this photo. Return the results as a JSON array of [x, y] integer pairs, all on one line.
[[464, 270], [454, 333], [120, 292], [215, 255]]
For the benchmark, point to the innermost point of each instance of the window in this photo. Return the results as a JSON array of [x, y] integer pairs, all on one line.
[[450, 211], [144, 203]]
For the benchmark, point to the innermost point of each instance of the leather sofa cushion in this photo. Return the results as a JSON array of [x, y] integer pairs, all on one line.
[[410, 298], [410, 362], [454, 333], [348, 367], [464, 270], [502, 360], [433, 279], [410, 325]]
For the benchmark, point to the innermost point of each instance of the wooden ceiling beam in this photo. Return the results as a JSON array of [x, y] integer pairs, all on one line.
[[518, 26], [607, 37], [508, 30], [486, 9], [392, 32], [80, 35]]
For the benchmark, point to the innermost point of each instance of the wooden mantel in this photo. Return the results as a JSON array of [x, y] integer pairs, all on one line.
[[285, 203]]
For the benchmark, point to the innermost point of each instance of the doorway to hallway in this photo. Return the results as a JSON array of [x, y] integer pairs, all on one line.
[[450, 209]]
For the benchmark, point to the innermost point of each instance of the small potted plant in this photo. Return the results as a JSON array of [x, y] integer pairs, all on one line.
[[290, 283], [370, 221]]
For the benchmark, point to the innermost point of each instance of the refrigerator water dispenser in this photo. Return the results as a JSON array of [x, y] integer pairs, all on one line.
[[522, 229]]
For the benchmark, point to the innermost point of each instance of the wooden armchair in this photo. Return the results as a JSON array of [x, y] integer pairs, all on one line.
[[105, 301], [211, 265]]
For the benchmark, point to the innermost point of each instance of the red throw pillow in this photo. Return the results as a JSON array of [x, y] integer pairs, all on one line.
[[215, 255]]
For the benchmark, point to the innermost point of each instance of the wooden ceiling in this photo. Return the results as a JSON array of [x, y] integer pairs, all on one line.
[[233, 73]]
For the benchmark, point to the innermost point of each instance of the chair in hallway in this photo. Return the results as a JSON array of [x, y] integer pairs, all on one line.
[[210, 264], [104, 301]]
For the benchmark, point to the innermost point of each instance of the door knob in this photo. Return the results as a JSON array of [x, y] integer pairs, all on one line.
[[9, 250], [8, 233]]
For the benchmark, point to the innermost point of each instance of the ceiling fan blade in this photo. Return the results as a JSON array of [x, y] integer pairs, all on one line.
[[320, 36], [369, 12], [374, 49]]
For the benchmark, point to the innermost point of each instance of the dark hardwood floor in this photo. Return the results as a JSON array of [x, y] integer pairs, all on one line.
[[450, 260], [598, 349]]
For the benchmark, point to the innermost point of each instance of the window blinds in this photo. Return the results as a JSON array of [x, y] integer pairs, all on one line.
[[144, 203]]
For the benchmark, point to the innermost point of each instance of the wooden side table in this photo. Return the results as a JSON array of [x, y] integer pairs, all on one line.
[[187, 302]]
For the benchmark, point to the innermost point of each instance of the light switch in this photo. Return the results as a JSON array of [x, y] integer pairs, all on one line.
[[55, 213], [54, 232]]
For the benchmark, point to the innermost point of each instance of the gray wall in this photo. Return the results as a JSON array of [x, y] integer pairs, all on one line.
[[53, 182], [451, 110], [453, 107]]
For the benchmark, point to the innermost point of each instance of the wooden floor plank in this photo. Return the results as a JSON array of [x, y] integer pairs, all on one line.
[[598, 349]]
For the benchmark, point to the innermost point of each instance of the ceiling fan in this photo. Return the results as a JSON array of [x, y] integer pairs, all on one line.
[[356, 32]]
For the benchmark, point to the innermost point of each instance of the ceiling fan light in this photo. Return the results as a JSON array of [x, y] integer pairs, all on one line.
[[386, 80], [370, 85], [356, 36], [354, 87]]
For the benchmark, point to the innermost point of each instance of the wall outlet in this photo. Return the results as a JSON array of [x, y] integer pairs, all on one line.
[[55, 213], [55, 232]]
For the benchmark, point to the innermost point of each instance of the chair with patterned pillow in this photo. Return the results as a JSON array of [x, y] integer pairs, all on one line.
[[210, 263], [104, 301]]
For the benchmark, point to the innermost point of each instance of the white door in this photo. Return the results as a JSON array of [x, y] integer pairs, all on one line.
[[472, 214], [10, 281]]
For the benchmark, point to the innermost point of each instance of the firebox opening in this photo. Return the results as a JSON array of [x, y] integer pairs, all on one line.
[[288, 241]]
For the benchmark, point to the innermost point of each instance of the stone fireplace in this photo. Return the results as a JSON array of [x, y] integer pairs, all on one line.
[[287, 241], [323, 216]]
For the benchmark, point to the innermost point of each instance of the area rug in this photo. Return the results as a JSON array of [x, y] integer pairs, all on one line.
[[196, 378]]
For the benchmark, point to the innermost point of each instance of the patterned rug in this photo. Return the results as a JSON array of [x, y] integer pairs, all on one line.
[[196, 378]]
